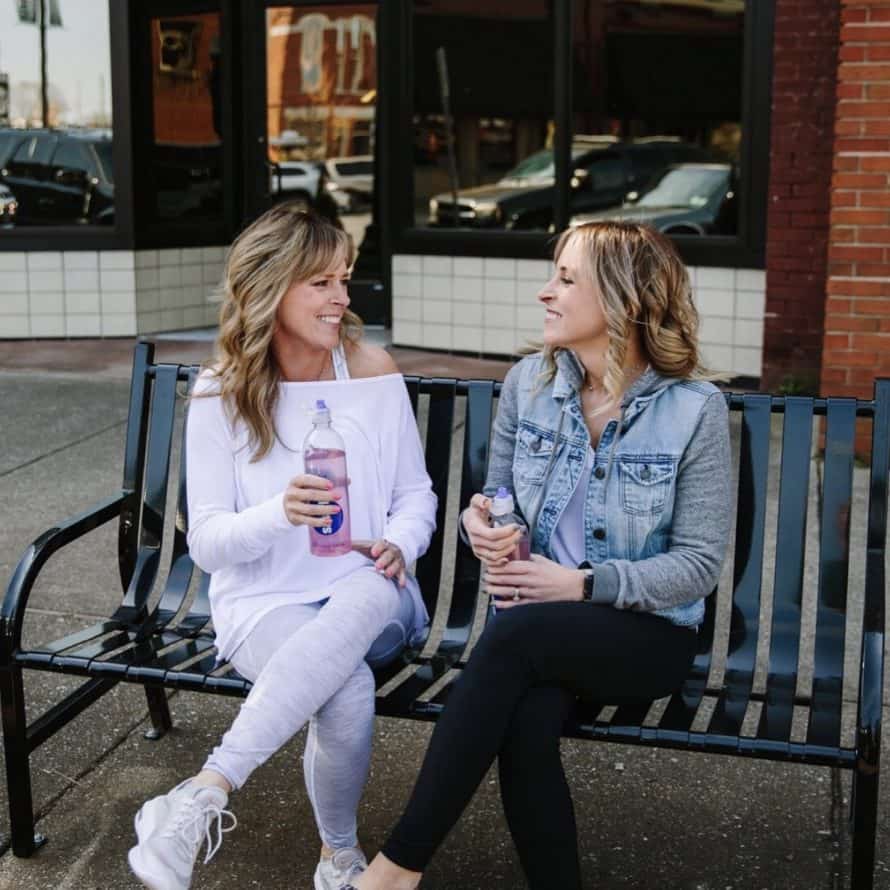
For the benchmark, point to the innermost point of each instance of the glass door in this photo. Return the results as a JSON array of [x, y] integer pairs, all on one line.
[[314, 143]]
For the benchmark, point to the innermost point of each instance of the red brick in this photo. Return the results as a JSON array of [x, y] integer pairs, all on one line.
[[845, 200], [863, 144], [842, 217], [872, 235], [876, 128], [858, 180], [852, 53], [870, 199], [867, 33], [847, 109], [873, 270], [870, 163], [877, 52], [856, 287], [873, 342], [868, 71], [836, 341], [880, 305], [877, 91], [850, 323], [834, 306], [851, 358]]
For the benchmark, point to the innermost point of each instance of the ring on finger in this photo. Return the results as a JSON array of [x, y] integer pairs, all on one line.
[[515, 594]]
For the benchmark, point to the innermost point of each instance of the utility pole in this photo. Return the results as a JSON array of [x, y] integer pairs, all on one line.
[[44, 97]]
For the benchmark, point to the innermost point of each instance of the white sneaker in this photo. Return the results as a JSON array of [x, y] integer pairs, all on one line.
[[336, 873], [170, 830]]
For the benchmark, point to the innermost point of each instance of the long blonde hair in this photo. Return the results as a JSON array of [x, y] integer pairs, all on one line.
[[642, 283], [287, 244]]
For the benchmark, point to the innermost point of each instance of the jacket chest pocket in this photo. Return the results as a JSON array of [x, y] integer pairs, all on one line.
[[532, 456], [645, 484]]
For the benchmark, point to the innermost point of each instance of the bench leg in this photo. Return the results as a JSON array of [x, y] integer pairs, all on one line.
[[18, 769], [159, 711], [864, 812]]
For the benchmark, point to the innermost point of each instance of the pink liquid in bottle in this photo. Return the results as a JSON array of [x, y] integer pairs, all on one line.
[[523, 548], [324, 455]]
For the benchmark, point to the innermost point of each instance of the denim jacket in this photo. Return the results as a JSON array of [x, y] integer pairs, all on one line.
[[657, 512]]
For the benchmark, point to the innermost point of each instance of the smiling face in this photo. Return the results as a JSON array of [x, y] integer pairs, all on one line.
[[310, 312], [574, 311]]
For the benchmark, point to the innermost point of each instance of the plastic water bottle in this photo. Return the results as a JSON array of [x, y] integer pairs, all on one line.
[[502, 513], [324, 454]]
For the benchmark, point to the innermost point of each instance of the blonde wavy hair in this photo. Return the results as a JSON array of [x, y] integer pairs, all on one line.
[[286, 245], [642, 284]]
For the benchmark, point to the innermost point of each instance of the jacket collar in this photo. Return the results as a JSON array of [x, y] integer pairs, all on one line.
[[570, 375]]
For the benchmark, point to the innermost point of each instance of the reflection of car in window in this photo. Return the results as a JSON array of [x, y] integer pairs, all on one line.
[[61, 177], [687, 199], [350, 181], [604, 171], [296, 179]]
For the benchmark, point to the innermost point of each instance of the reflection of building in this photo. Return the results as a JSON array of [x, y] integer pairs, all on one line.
[[321, 82]]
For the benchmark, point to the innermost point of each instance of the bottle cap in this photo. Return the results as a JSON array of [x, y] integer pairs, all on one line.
[[321, 413], [502, 503]]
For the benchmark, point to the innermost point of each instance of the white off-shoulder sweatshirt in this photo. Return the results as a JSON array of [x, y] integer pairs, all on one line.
[[238, 530]]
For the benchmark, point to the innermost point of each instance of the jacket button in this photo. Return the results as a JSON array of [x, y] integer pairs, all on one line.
[[536, 444], [645, 473], [599, 533], [599, 472]]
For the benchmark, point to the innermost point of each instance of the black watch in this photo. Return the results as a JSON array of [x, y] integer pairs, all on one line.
[[589, 580]]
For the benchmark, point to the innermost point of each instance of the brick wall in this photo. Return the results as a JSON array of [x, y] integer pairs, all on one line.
[[801, 150], [857, 318]]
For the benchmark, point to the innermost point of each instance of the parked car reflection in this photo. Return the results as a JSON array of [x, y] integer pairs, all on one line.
[[59, 177], [687, 199], [605, 171]]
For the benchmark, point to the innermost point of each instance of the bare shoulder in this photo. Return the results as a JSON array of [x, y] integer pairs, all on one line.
[[365, 360]]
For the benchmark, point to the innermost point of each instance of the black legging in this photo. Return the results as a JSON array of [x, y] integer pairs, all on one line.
[[511, 702]]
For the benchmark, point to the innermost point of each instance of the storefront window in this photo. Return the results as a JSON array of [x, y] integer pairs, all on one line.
[[55, 114], [485, 161], [185, 149], [657, 98], [321, 88]]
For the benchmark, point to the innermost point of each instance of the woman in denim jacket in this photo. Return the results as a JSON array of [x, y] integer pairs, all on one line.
[[617, 449]]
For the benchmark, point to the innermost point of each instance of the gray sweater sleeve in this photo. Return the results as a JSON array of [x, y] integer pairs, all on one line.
[[690, 568]]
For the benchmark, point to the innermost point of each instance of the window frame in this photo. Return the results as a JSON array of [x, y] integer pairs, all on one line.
[[120, 235], [747, 249]]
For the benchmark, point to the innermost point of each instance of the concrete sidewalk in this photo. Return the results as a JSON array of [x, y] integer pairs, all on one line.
[[647, 819]]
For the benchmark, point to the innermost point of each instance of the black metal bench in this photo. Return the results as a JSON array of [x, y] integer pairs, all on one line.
[[722, 708]]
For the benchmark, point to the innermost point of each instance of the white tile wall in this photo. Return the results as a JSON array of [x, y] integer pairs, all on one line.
[[90, 293], [493, 307]]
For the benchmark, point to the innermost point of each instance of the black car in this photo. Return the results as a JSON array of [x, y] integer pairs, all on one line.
[[58, 177], [687, 199], [605, 170]]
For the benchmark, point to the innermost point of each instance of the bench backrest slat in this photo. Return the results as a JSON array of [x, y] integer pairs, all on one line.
[[791, 536], [748, 564], [478, 412], [154, 496], [834, 556], [439, 434], [134, 461]]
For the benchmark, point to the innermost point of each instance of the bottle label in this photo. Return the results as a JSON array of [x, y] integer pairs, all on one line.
[[334, 527]]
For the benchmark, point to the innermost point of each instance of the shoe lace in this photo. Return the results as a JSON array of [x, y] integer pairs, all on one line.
[[193, 825]]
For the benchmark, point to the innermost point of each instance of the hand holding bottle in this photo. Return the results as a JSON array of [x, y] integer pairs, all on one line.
[[492, 546], [307, 501]]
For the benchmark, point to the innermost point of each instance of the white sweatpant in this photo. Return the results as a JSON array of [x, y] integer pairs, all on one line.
[[307, 663]]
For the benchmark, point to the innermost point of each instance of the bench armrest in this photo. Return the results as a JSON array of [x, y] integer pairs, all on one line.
[[13, 611]]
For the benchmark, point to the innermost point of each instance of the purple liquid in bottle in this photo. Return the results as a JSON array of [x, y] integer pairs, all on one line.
[[324, 455]]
